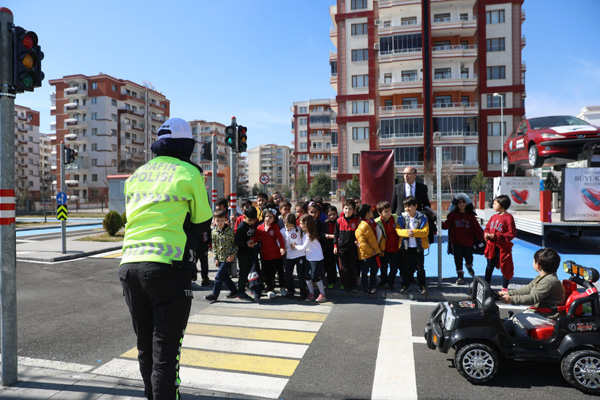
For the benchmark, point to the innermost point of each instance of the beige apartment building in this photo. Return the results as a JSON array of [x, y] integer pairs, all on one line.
[[110, 122], [32, 156], [272, 160], [412, 75], [315, 137]]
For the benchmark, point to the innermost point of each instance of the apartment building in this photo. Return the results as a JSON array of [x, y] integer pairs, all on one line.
[[272, 160], [203, 132], [315, 138], [31, 156], [590, 114], [412, 75], [110, 122]]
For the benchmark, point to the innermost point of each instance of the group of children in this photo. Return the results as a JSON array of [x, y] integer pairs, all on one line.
[[271, 244]]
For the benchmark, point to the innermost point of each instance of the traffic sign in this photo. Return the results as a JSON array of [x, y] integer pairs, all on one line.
[[61, 198], [264, 179], [61, 213]]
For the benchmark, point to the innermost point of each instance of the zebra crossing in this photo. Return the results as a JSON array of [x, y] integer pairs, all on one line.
[[243, 348]]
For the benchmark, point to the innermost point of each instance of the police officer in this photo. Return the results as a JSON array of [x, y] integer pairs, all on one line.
[[167, 210]]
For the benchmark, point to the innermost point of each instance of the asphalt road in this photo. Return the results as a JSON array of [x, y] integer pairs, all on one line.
[[74, 312]]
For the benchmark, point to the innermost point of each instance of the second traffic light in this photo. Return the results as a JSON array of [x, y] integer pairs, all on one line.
[[242, 139], [230, 136], [69, 156], [207, 151], [27, 61]]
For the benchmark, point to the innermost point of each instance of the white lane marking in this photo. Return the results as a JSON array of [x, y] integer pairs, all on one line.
[[395, 354], [222, 381], [256, 323], [419, 339], [63, 366], [320, 308], [256, 347]]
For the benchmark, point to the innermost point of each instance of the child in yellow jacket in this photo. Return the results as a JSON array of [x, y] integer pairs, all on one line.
[[371, 245], [413, 230]]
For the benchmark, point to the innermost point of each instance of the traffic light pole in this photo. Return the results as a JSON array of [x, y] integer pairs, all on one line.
[[63, 223], [8, 240], [215, 166]]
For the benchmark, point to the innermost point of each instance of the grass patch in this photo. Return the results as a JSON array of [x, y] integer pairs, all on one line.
[[104, 237]]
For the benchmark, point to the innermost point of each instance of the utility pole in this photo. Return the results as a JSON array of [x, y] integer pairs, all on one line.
[[63, 223], [8, 252], [233, 169], [215, 166]]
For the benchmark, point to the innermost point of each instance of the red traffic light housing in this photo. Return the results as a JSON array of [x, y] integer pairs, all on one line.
[[27, 61], [230, 134], [242, 139]]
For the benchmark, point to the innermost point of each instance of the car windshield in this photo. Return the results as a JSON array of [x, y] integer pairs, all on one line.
[[557, 120]]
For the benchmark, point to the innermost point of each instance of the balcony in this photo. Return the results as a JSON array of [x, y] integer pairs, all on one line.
[[404, 27], [74, 122], [523, 42], [401, 110], [74, 91], [71, 106], [454, 26], [23, 130], [391, 3], [400, 54], [405, 83], [454, 51], [455, 108], [316, 136], [454, 82], [139, 128]]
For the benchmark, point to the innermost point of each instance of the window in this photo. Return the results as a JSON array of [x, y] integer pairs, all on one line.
[[303, 145], [442, 73], [360, 80], [408, 155], [359, 29], [303, 133], [387, 24], [94, 131], [494, 157], [400, 43], [320, 119], [94, 162], [94, 116], [94, 100], [387, 78], [114, 117], [113, 102], [495, 44], [94, 177], [441, 17], [408, 21], [409, 76], [94, 85], [302, 121], [113, 132], [334, 163], [389, 104], [455, 126], [356, 160], [464, 17], [497, 72], [401, 127], [303, 110], [302, 157], [494, 128], [494, 101], [360, 107], [465, 155], [358, 4], [442, 101], [360, 133], [360, 55], [94, 146], [409, 102], [494, 17], [334, 139], [114, 88]]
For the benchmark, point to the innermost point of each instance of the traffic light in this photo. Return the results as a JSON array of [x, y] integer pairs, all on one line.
[[242, 139], [27, 61], [230, 136], [207, 151], [69, 156]]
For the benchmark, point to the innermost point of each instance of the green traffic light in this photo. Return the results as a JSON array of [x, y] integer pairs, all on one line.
[[27, 80]]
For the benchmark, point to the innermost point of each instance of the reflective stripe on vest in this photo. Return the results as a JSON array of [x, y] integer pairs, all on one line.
[[151, 197], [157, 249]]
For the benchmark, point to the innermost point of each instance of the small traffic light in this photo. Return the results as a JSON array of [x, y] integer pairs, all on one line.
[[207, 151], [69, 156], [230, 136], [242, 139], [27, 61]]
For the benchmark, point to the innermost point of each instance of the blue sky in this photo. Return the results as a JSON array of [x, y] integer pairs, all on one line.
[[253, 59]]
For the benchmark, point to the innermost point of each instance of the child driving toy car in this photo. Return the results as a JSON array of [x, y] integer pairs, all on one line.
[[545, 291]]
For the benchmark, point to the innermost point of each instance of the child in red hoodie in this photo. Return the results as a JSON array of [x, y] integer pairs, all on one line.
[[463, 230], [499, 233], [272, 248]]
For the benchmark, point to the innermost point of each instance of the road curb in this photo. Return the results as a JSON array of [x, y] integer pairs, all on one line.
[[71, 256]]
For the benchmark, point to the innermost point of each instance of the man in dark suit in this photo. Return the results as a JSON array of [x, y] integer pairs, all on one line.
[[409, 188]]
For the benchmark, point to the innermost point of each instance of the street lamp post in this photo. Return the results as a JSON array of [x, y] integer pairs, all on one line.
[[501, 133]]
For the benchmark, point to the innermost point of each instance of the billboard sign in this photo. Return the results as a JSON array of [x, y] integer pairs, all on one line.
[[581, 189]]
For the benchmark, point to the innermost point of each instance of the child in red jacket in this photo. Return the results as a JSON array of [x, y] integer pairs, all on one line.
[[463, 230], [499, 233], [272, 248]]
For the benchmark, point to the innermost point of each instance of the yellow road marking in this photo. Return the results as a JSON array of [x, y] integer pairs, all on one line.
[[119, 254], [234, 362], [275, 335], [241, 312]]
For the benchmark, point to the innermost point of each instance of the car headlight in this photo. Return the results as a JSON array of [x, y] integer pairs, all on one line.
[[449, 319], [551, 136]]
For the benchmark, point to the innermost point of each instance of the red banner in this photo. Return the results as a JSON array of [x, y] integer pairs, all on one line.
[[377, 172]]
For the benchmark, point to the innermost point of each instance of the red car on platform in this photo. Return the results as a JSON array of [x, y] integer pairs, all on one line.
[[552, 140]]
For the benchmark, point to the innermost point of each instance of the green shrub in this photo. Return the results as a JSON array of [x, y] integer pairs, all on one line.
[[112, 223], [124, 218]]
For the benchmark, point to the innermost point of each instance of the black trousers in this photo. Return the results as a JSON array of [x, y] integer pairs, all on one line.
[[301, 265], [461, 252], [348, 268], [414, 260], [202, 252], [159, 299]]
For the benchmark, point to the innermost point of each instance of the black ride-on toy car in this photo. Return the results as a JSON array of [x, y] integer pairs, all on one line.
[[474, 329]]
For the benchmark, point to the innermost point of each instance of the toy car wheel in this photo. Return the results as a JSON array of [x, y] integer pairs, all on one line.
[[534, 157], [582, 370], [477, 362], [508, 169]]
